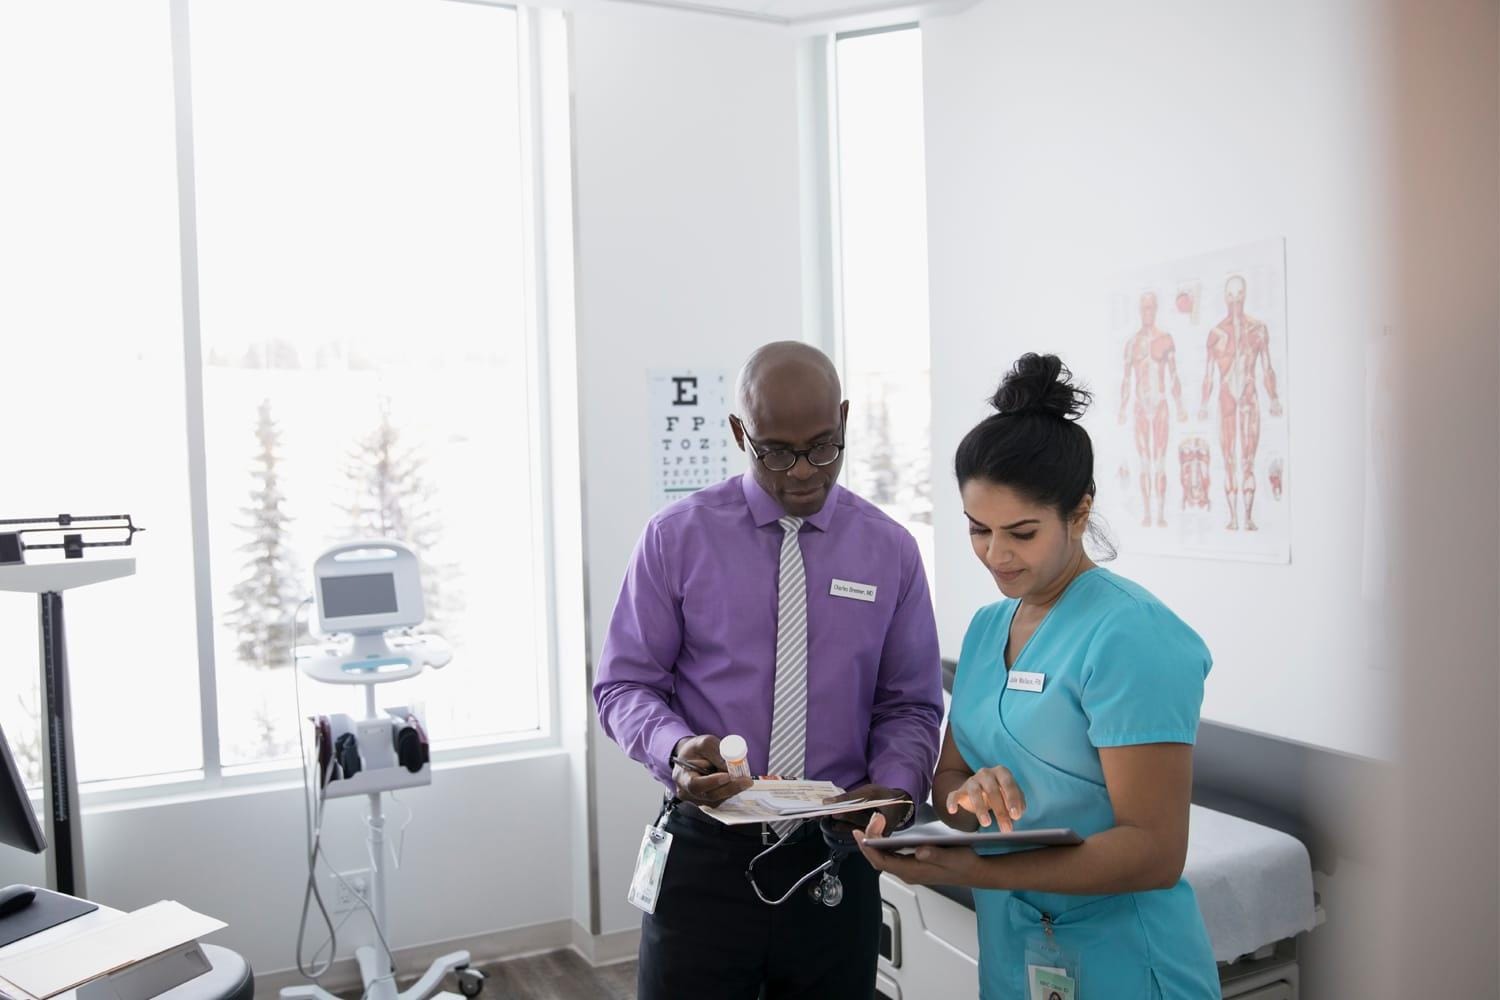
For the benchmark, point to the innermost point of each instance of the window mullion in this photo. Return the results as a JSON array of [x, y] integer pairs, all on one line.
[[192, 353]]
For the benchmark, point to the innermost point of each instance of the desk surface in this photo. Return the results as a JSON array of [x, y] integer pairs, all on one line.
[[52, 935], [226, 964]]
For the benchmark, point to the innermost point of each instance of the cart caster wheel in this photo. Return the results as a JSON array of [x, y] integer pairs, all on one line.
[[470, 982]]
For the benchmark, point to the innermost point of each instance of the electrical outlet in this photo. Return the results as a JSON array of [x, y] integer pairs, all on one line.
[[346, 893]]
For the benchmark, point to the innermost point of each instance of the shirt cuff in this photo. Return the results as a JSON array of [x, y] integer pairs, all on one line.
[[660, 748], [903, 779]]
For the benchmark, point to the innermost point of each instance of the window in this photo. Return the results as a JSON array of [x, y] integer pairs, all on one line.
[[882, 250], [365, 355], [92, 402], [368, 360]]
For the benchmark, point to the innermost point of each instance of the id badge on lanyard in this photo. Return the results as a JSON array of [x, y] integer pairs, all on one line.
[[651, 865], [1051, 969]]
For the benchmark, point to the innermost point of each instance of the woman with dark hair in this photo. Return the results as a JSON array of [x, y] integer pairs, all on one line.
[[1075, 705]]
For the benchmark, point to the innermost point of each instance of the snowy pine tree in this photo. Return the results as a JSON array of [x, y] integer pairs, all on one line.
[[27, 744], [881, 477], [267, 595], [915, 495], [391, 499]]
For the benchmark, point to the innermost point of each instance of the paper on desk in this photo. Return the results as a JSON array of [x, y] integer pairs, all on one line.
[[149, 931], [772, 800]]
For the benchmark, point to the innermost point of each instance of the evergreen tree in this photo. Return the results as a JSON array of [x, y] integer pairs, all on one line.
[[391, 499], [271, 743], [267, 595], [916, 479], [273, 353], [28, 748], [881, 477]]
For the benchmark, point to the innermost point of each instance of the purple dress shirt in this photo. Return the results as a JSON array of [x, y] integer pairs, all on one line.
[[692, 645]]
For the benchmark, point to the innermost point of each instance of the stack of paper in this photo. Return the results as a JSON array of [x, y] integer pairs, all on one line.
[[56, 968], [771, 800]]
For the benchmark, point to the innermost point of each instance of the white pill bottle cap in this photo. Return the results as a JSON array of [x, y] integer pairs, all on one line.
[[733, 748]]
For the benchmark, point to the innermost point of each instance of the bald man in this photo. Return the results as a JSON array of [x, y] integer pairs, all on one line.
[[778, 607]]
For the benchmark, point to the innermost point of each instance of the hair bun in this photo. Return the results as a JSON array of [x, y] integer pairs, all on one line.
[[1041, 384]]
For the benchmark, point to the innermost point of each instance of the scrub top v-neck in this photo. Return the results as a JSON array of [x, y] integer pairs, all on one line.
[[1116, 668]]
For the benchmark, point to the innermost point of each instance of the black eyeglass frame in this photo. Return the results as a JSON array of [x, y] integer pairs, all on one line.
[[760, 453]]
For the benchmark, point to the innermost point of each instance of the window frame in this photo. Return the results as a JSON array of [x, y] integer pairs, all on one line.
[[831, 154], [213, 778], [829, 316]]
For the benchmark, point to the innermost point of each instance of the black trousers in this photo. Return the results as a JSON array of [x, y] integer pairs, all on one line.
[[711, 938]]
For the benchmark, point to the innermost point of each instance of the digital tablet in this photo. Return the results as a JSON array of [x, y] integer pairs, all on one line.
[[1056, 837]]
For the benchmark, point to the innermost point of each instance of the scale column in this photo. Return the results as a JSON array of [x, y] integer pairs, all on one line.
[[60, 775]]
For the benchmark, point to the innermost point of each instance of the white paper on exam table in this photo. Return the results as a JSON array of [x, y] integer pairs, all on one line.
[[52, 969], [1254, 884], [771, 800]]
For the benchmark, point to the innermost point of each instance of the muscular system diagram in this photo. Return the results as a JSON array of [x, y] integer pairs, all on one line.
[[1238, 347], [1197, 459], [1150, 370]]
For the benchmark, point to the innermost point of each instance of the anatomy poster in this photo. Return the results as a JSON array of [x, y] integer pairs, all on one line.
[[1191, 413], [691, 445]]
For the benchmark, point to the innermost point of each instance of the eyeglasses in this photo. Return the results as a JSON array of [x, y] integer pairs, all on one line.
[[783, 459]]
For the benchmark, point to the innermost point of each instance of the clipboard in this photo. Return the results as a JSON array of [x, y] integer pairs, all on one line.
[[1050, 837], [777, 800]]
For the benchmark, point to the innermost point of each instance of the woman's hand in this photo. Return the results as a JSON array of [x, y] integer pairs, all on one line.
[[992, 793], [929, 866]]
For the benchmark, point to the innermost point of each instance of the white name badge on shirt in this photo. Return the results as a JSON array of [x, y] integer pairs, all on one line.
[[853, 591], [1019, 680]]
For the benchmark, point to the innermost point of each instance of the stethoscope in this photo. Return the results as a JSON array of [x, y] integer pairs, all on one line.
[[829, 889]]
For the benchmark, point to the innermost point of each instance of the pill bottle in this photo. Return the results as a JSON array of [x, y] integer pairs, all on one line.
[[734, 751]]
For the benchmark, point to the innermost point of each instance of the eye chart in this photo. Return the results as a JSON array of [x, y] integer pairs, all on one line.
[[691, 445]]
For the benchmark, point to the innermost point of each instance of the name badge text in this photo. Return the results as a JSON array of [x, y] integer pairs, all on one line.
[[1018, 680], [853, 591]]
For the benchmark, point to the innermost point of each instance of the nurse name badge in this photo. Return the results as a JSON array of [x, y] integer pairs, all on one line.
[[1019, 680]]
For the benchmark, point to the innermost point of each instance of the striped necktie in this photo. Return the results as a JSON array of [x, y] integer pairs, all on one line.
[[788, 754]]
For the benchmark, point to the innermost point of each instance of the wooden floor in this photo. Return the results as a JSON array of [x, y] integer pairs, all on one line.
[[558, 975], [555, 975]]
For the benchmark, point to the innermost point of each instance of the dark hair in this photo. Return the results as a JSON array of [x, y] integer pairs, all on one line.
[[1033, 443]]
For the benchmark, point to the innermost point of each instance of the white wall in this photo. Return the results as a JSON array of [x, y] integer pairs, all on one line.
[[241, 858], [1065, 146], [688, 253]]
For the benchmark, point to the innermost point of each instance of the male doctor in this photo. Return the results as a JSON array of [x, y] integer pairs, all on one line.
[[779, 607]]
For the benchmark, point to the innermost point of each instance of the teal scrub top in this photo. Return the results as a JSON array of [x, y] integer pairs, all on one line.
[[1120, 669]]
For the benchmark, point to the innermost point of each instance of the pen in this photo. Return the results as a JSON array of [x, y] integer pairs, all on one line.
[[695, 768]]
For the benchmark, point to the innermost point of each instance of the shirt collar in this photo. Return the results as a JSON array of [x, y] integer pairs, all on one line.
[[765, 510]]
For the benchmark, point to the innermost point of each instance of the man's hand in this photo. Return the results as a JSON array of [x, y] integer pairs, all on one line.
[[700, 774], [893, 815]]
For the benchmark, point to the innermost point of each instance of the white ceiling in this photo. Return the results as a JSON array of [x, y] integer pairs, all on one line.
[[810, 13]]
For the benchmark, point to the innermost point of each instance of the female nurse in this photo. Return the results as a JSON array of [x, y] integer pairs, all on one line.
[[1075, 705]]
